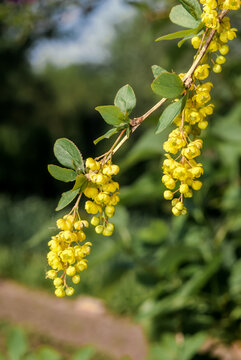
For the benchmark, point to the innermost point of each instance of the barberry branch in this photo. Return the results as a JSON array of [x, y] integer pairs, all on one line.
[[187, 80]]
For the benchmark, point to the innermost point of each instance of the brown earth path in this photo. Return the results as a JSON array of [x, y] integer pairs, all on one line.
[[85, 321], [76, 322]]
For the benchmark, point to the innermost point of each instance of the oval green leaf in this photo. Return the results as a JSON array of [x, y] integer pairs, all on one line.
[[111, 114], [169, 114], [125, 99], [68, 154], [157, 70], [168, 85], [66, 199], [62, 174], [180, 16], [193, 7]]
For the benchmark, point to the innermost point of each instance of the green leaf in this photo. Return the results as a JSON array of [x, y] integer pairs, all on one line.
[[193, 7], [80, 183], [169, 114], [68, 154], [46, 353], [192, 346], [157, 70], [178, 34], [85, 353], [197, 31], [169, 349], [125, 99], [107, 135], [168, 85], [180, 16], [62, 174], [30, 357], [66, 199], [16, 344], [111, 114]]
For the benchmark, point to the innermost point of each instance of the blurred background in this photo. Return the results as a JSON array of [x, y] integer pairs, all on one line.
[[164, 287]]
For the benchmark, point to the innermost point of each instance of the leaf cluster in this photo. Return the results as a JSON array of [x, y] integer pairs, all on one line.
[[117, 115], [187, 15], [67, 153]]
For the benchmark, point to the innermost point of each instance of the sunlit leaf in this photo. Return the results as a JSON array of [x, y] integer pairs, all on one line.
[[125, 99], [193, 7], [111, 114], [168, 85], [180, 16]]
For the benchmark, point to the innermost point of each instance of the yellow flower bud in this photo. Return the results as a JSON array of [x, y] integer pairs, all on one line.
[[99, 229], [71, 271], [69, 291], [58, 282], [95, 221], [196, 185], [76, 279], [59, 292], [109, 210], [175, 211]]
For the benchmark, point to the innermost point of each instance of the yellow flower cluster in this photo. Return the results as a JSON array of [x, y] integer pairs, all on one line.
[[67, 256], [182, 173], [103, 192], [224, 32], [211, 8]]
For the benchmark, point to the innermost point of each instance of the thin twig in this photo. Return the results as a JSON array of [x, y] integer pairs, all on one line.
[[136, 122], [203, 37], [139, 120]]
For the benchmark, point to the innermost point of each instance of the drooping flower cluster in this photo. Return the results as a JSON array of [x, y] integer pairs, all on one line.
[[103, 192], [67, 255], [182, 173]]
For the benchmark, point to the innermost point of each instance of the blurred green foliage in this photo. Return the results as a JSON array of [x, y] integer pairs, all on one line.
[[18, 347], [173, 275]]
